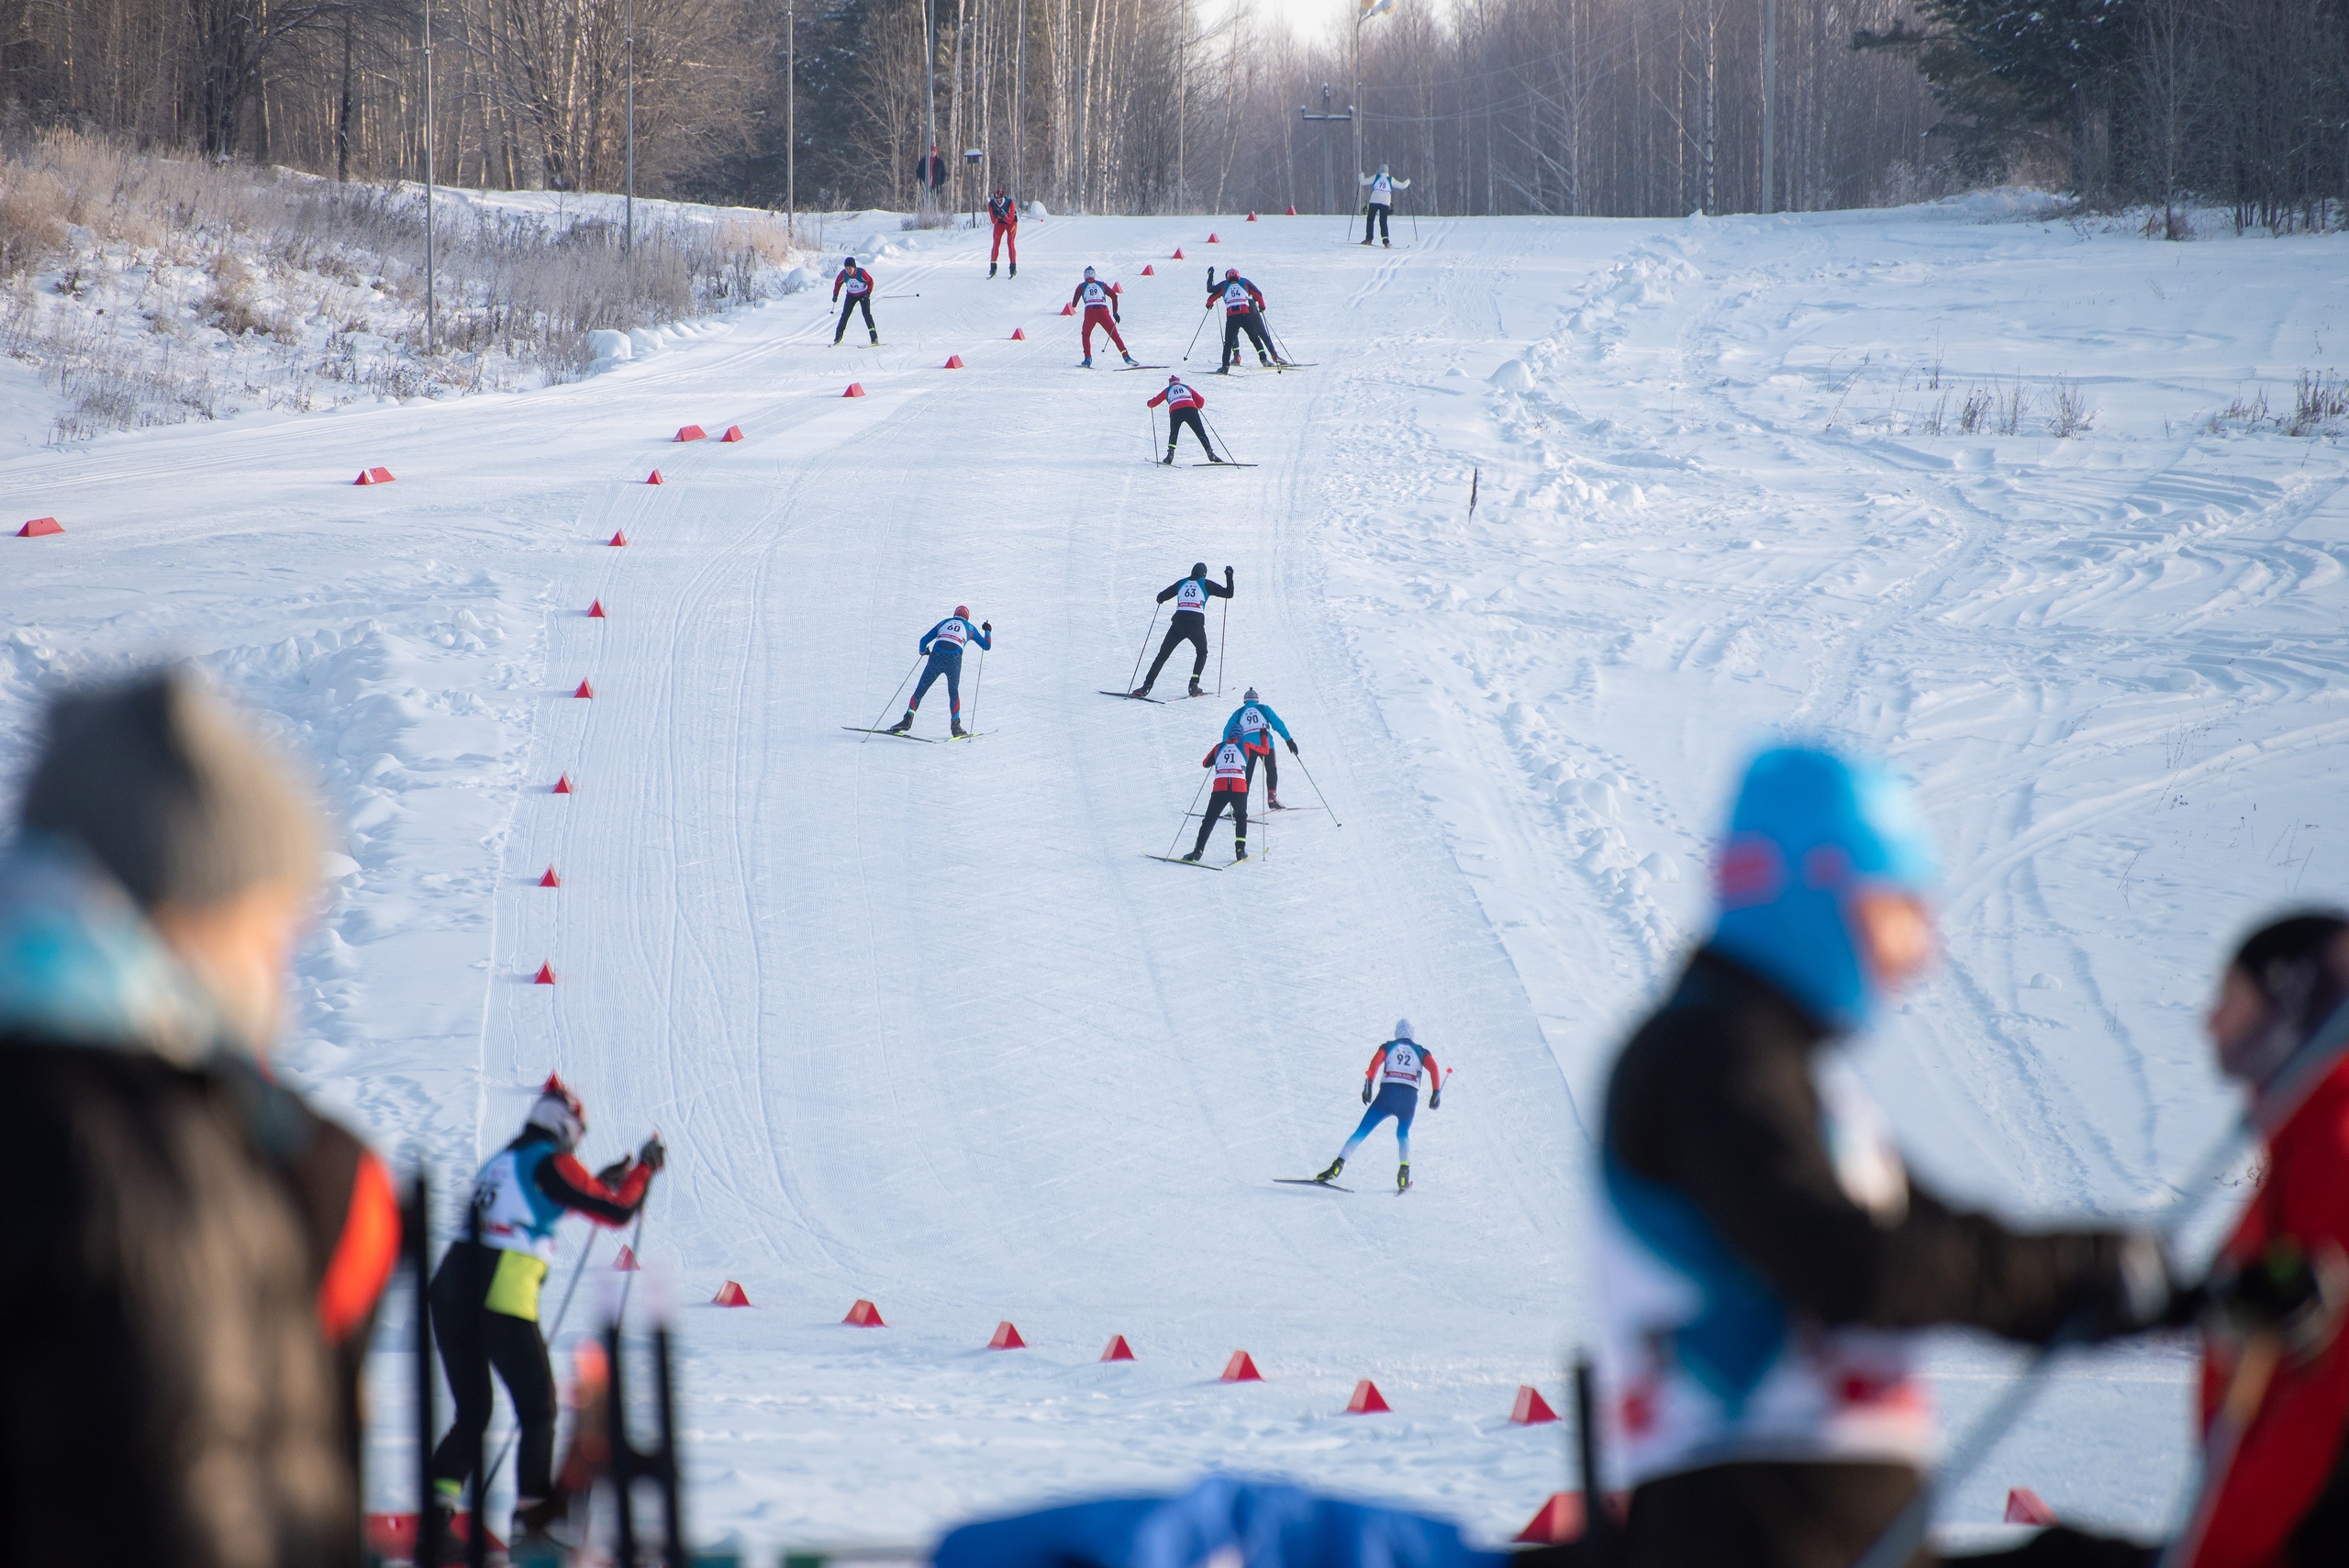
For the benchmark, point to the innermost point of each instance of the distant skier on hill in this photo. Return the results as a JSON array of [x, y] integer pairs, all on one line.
[[1183, 405], [859, 284], [1004, 212], [1100, 303], [1390, 1087], [1253, 724], [1190, 623], [1382, 187], [1243, 311], [943, 644], [1230, 761]]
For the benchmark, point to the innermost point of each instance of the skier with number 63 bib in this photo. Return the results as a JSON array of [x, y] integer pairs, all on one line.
[[1390, 1087]]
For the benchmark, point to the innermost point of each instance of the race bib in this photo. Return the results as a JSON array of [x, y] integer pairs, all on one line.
[[1192, 596]]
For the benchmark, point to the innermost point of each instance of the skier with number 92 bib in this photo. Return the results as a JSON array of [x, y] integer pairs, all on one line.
[[1390, 1087]]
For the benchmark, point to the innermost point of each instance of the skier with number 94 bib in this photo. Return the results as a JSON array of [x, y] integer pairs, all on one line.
[[1390, 1087]]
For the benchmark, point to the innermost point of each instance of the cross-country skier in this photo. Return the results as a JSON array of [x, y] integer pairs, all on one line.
[[484, 1294], [1382, 187], [1190, 623], [1243, 311], [1253, 724], [1230, 761], [943, 644], [1183, 405], [1766, 1262], [1004, 212], [1393, 1076], [1100, 303], [859, 284]]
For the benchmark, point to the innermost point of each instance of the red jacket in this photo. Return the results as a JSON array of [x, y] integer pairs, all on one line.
[[1183, 394], [2293, 1442], [854, 276]]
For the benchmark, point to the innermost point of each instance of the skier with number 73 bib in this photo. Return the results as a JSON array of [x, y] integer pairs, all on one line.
[[1396, 1069]]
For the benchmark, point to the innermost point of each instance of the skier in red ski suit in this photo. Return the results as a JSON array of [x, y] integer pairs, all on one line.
[[1100, 303], [1006, 215], [1183, 405]]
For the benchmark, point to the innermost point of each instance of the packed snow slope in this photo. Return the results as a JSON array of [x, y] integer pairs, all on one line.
[[923, 1023]]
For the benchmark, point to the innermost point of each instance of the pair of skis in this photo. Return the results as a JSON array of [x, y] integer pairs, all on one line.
[[1203, 865], [908, 735], [1136, 697], [1317, 1181]]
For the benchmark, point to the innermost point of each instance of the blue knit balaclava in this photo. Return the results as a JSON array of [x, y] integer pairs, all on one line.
[[1808, 830]]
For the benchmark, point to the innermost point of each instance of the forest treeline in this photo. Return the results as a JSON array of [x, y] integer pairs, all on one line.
[[1556, 106]]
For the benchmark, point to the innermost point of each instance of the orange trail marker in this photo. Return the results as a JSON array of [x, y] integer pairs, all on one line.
[[1178, 253], [1252, 218], [730, 1294], [626, 1262], [1367, 1400], [585, 690], [1240, 1368], [1007, 1337], [1213, 240], [1292, 212], [1531, 1409], [2025, 1507], [40, 528], [695, 433], [374, 477], [1117, 1350], [954, 361], [595, 611], [1147, 270], [1020, 334], [864, 1315], [550, 880], [545, 975]]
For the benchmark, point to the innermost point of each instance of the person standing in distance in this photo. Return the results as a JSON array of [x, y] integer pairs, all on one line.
[[484, 1294], [1190, 623], [1230, 761], [1394, 1071], [1253, 724], [1382, 187], [1243, 311], [944, 645], [1183, 405], [1005, 214], [859, 284], [1099, 301], [1765, 1261]]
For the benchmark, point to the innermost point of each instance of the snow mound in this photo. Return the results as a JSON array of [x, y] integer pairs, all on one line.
[[1513, 376]]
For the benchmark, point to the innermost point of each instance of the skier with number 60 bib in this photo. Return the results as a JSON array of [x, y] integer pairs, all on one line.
[[943, 645], [1189, 625], [1390, 1087]]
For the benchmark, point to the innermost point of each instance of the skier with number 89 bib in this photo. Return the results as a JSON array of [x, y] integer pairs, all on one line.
[[1390, 1087]]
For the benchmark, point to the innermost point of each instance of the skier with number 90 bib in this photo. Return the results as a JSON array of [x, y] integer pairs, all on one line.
[[1253, 724], [1390, 1087]]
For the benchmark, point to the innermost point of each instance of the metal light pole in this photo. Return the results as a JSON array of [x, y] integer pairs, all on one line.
[[1360, 8], [1328, 190], [628, 241], [790, 125], [1769, 103], [1182, 91], [431, 301], [1018, 99], [924, 199]]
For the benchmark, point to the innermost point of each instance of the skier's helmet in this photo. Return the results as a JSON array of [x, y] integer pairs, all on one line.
[[1250, 696], [1403, 1029], [1198, 569], [1088, 271], [1811, 831], [963, 611], [2289, 962], [1231, 274], [559, 1111]]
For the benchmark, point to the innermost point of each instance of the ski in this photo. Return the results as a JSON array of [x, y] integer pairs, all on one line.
[[1138, 367], [902, 734], [966, 735], [1226, 462], [1178, 861], [1133, 697], [1310, 1182]]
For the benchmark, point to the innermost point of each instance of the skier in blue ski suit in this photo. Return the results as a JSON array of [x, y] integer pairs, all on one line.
[[1396, 1069], [943, 644], [1253, 724]]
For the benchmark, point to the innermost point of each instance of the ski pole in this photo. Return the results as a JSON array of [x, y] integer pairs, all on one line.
[[1149, 424], [974, 691], [2244, 1390], [894, 696], [1197, 330], [1317, 787], [1415, 233], [1145, 648], [1219, 436], [1187, 816], [1223, 634]]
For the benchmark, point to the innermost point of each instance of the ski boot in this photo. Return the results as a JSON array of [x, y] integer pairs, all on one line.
[[1388, 243], [1192, 858], [1272, 802], [1168, 460], [1212, 458], [1195, 688], [959, 732], [876, 340], [1223, 370], [1265, 362], [1402, 1177], [1238, 850], [1140, 691], [990, 269], [1337, 1168], [1366, 239], [1085, 363], [1129, 358], [1015, 269], [902, 726]]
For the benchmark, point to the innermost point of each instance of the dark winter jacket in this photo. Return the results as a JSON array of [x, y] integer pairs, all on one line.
[[1794, 1410], [1212, 590], [186, 1236]]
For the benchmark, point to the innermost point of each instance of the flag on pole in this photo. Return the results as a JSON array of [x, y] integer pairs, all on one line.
[[1376, 8]]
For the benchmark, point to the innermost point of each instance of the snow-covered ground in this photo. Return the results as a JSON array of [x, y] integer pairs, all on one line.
[[926, 1026]]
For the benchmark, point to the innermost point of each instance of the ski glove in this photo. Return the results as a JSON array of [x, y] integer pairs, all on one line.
[[654, 1154], [2286, 1293], [1292, 748], [987, 625], [1227, 576], [1435, 1099], [616, 1172], [1365, 1091]]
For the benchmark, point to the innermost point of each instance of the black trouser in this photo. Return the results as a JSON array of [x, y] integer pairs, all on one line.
[[1376, 214], [1189, 626], [1237, 801], [1250, 322], [855, 300], [472, 1339], [1272, 768], [1176, 419]]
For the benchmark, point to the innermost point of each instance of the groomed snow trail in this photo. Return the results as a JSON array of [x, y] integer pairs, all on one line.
[[921, 1023]]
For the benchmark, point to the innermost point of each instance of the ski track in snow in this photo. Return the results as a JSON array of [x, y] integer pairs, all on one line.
[[922, 1024]]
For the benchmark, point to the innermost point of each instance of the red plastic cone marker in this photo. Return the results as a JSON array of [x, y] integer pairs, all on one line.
[[585, 690], [595, 611], [39, 528], [1149, 272], [954, 361], [374, 477], [1007, 1337], [855, 389], [693, 433], [1213, 240], [1241, 1368], [1020, 334], [1068, 309], [730, 1295], [2025, 1507], [1367, 1400], [655, 478], [1292, 212], [1178, 253], [618, 537], [550, 880], [1252, 218], [563, 784], [864, 1315], [1558, 1521], [626, 1262], [545, 975], [1531, 1409], [733, 433], [1117, 1351]]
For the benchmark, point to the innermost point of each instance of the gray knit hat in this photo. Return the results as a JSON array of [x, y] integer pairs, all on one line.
[[172, 791]]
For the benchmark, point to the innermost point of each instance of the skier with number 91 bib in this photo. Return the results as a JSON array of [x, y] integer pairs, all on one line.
[[1390, 1087]]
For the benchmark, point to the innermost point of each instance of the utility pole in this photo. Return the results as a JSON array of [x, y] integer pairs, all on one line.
[[1769, 103], [1182, 92], [1018, 99], [1328, 190], [923, 198], [431, 302], [791, 124], [628, 240]]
